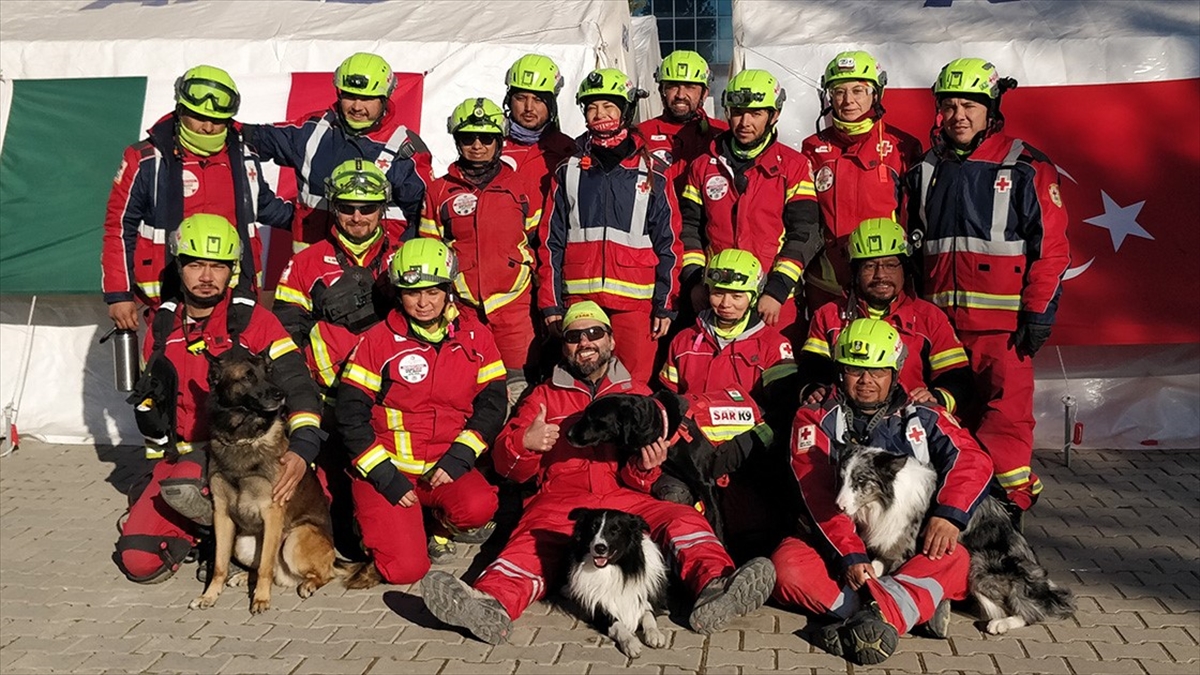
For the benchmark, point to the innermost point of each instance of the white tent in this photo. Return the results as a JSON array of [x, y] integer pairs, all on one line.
[[1127, 396], [462, 47]]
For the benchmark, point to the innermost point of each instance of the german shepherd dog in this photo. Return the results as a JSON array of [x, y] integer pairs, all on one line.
[[291, 545], [887, 496]]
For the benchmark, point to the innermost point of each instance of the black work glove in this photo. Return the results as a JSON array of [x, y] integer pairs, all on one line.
[[1029, 338], [390, 482], [457, 461], [306, 442]]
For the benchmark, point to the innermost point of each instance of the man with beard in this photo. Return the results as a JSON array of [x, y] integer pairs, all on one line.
[[488, 214], [936, 371], [683, 131], [361, 124], [533, 145], [532, 563], [421, 398], [826, 569], [171, 398]]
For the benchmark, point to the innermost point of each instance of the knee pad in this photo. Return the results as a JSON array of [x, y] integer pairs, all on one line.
[[150, 559], [189, 498], [671, 489]]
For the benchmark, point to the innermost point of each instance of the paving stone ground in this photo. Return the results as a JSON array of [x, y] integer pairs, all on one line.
[[1121, 527]]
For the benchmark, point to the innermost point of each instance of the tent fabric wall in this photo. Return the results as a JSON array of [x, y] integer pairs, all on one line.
[[646, 57]]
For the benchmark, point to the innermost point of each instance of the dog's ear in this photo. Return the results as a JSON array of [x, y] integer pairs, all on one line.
[[675, 405], [577, 513], [890, 463], [641, 524]]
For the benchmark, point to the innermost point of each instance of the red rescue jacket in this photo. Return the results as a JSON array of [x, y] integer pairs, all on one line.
[[678, 144], [536, 162]]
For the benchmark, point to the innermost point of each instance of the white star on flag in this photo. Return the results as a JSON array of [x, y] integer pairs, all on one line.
[[1120, 221]]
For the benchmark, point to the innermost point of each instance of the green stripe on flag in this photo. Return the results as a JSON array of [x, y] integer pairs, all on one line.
[[62, 146]]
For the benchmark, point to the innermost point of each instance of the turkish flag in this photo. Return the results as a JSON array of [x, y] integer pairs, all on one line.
[[1129, 161], [312, 92]]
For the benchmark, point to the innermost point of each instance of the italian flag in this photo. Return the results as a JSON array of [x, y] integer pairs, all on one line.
[[61, 145]]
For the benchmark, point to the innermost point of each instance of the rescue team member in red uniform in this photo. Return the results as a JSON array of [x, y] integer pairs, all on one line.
[[361, 124], [936, 371], [532, 563], [488, 215], [683, 131], [421, 398], [828, 572], [729, 350], [858, 166], [995, 242], [204, 321], [334, 290], [754, 193], [610, 228], [534, 146], [193, 161]]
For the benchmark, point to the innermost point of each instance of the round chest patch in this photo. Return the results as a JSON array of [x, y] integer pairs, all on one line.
[[663, 154], [413, 368], [464, 204], [716, 187], [191, 184], [824, 179]]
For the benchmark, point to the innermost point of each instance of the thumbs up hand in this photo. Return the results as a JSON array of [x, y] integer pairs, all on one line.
[[541, 435]]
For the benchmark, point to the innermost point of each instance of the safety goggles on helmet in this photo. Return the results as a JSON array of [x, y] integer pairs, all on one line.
[[209, 95], [593, 333], [726, 277], [348, 209], [358, 185], [743, 98]]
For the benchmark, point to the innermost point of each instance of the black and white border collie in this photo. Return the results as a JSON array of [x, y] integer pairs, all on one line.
[[618, 577], [887, 496]]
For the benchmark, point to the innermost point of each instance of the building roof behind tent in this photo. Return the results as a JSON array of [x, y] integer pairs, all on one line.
[[305, 27]]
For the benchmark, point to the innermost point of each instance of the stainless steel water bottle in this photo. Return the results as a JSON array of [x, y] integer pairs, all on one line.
[[126, 366]]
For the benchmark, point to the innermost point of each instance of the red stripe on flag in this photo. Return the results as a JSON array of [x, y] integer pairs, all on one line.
[[1137, 144], [314, 92]]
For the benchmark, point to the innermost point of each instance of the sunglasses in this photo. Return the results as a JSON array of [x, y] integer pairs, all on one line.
[[369, 209], [209, 94], [592, 333], [469, 138]]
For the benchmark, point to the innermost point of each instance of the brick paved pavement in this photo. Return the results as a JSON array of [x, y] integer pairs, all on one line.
[[1123, 528]]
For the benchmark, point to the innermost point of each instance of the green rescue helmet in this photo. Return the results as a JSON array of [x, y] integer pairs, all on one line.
[[854, 66], [878, 238], [358, 180], [422, 263], [682, 65], [969, 76], [208, 91], [753, 89], [479, 115], [869, 343], [534, 72], [365, 74], [734, 270], [606, 82], [208, 237]]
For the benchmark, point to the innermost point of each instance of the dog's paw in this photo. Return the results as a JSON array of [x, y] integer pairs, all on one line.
[[877, 565], [260, 605], [306, 589], [237, 579], [1002, 626], [630, 648], [203, 602], [655, 639]]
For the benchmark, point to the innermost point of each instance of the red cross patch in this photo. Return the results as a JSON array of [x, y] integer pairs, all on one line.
[[805, 437], [884, 147], [1002, 184], [916, 434], [252, 174], [383, 164], [643, 186]]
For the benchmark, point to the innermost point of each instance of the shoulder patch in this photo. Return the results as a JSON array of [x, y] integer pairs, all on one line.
[[1054, 195], [785, 351], [120, 171], [806, 437]]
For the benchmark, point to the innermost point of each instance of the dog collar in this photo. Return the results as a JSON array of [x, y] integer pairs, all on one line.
[[680, 431]]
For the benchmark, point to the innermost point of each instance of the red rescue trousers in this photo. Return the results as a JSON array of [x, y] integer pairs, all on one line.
[[395, 535], [907, 597], [634, 346], [533, 561], [153, 529], [1002, 420], [512, 327]]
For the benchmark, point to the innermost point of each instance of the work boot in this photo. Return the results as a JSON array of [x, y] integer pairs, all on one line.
[[938, 625], [189, 498], [825, 633], [867, 639], [455, 603], [475, 535], [735, 595], [441, 550]]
